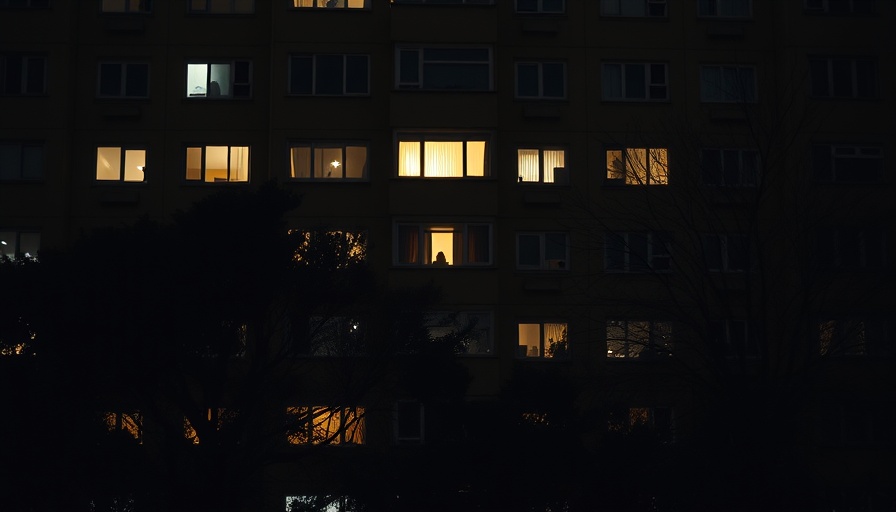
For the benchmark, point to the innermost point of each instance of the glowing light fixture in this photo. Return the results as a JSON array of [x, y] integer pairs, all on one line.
[[335, 163]]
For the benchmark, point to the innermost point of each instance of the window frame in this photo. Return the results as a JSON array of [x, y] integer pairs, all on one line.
[[127, 7], [545, 263], [739, 177], [424, 67], [401, 436], [646, 4], [321, 145], [193, 8], [435, 137], [122, 162], [724, 333], [17, 168], [746, 88], [423, 253], [17, 253], [25, 81], [293, 90], [857, 88], [123, 85], [716, 6], [540, 7], [246, 87], [825, 157], [649, 84], [541, 79], [543, 349], [204, 169], [653, 240], [729, 246], [301, 431], [553, 177], [480, 325], [867, 245], [632, 177], [659, 342]]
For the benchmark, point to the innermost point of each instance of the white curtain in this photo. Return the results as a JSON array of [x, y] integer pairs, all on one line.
[[443, 159], [239, 163], [528, 164], [552, 158], [409, 158]]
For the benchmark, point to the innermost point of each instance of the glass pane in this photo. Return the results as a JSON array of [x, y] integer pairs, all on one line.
[[108, 163], [10, 161], [29, 244], [530, 340], [134, 163], [527, 80], [110, 79], [553, 159], [8, 246], [456, 76], [239, 163], [194, 163], [441, 246], [328, 162], [527, 163], [409, 158], [443, 159], [355, 162], [555, 246], [553, 80], [476, 158], [356, 74], [529, 251], [611, 81], [635, 81], [216, 163], [328, 74], [219, 80], [300, 162], [114, 5], [137, 80], [197, 80], [300, 73]]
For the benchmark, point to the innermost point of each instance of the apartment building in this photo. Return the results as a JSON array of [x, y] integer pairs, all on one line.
[[661, 200]]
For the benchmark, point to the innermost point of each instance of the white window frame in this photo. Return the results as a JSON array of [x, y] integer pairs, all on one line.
[[122, 90], [423, 59], [236, 87], [832, 71], [657, 343], [556, 175], [541, 7], [125, 6], [655, 88], [229, 178], [28, 63], [543, 77], [478, 327], [425, 165], [729, 247], [24, 160], [313, 59], [722, 9], [825, 158], [542, 239], [325, 165], [12, 245], [403, 437], [544, 349], [136, 155], [626, 166], [234, 7], [634, 8], [742, 91], [658, 247], [461, 236], [330, 4], [734, 167]]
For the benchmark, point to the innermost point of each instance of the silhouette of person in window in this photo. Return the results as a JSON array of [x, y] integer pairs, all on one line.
[[214, 88], [441, 261]]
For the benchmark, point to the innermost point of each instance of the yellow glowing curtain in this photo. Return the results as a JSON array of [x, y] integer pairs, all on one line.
[[409, 158], [527, 162], [443, 159], [553, 158]]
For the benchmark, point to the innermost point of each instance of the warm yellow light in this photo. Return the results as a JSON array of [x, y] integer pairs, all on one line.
[[335, 163]]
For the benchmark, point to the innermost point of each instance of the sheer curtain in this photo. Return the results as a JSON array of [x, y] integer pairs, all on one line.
[[443, 159], [552, 158], [409, 158], [528, 164], [239, 163]]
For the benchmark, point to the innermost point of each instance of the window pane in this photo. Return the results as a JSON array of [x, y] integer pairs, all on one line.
[[10, 161], [552, 160], [555, 246], [108, 163], [114, 5], [137, 80], [476, 158], [529, 250], [478, 244], [356, 74], [239, 163], [110, 79], [328, 162], [409, 66], [527, 80], [300, 73], [408, 158], [328, 74], [219, 80], [300, 162], [197, 80], [527, 162], [32, 162], [35, 78], [194, 163], [530, 340], [355, 162], [611, 81], [216, 163], [553, 80], [443, 158], [635, 81], [134, 162]]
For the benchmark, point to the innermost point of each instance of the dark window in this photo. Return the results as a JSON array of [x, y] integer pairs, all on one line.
[[843, 77], [123, 80], [841, 163], [22, 74], [333, 75]]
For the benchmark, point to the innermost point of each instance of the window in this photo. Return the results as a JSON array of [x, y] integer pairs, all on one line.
[[632, 420], [471, 331], [840, 6], [22, 75], [543, 340], [727, 84], [214, 164], [322, 503], [314, 425], [542, 165], [724, 8], [408, 422], [637, 252], [638, 166], [128, 423], [443, 68], [443, 156], [443, 245], [541, 80], [328, 161], [852, 248], [110, 166], [330, 249], [21, 161], [843, 77], [856, 422], [726, 252], [729, 167], [16, 244], [634, 81], [628, 339], [123, 80], [329, 75], [633, 8], [222, 6], [30, 4], [853, 337], [842, 163], [541, 6], [216, 419], [330, 4], [126, 6], [542, 251], [228, 79], [733, 338]]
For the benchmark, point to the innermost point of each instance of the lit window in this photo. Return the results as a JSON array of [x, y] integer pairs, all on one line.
[[16, 244], [843, 77], [223, 6], [126, 5], [215, 419], [308, 425], [29, 4], [725, 8], [443, 156], [541, 80], [729, 167], [837, 7], [322, 503], [329, 75], [330, 4], [638, 166], [726, 253], [21, 161], [542, 251], [638, 81], [123, 80], [852, 248], [443, 69], [120, 164], [443, 245], [734, 338], [328, 161], [633, 8], [129, 423], [216, 164], [727, 84], [542, 165], [637, 252], [541, 6], [843, 163], [638, 339], [629, 420], [853, 337], [22, 75], [544, 340], [471, 331], [330, 249], [408, 422], [226, 79]]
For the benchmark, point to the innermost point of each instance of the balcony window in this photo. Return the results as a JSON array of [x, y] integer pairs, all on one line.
[[123, 80], [727, 84], [627, 339], [120, 164], [330, 4], [329, 75], [443, 68], [542, 165], [843, 77], [633, 8], [341, 161], [317, 425], [226, 79], [726, 252], [844, 337], [126, 6], [21, 161], [222, 6], [724, 8], [638, 166], [218, 164], [850, 248], [18, 244], [839, 7], [543, 340], [634, 82], [541, 6], [729, 167], [541, 80], [542, 251], [443, 156], [443, 244], [637, 252], [470, 331], [842, 163], [22, 75]]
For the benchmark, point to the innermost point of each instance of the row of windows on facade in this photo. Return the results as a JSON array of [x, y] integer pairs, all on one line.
[[452, 69], [449, 156], [623, 8]]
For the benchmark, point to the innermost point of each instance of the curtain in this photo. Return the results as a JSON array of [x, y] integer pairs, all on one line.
[[478, 244], [408, 244], [443, 159], [409, 158], [527, 160], [552, 158], [239, 163]]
